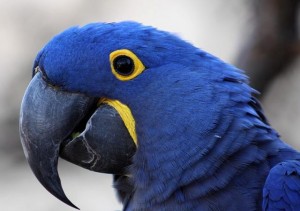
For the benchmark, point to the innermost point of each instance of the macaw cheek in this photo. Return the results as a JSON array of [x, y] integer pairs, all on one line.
[[104, 146]]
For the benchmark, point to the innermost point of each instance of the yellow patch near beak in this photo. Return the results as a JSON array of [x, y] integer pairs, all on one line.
[[125, 114]]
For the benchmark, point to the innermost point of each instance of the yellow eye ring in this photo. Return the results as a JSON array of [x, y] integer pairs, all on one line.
[[125, 65]]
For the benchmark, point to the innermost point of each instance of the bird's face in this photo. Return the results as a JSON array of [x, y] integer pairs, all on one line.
[[91, 85]]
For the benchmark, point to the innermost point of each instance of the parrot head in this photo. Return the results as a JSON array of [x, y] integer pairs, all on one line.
[[122, 98]]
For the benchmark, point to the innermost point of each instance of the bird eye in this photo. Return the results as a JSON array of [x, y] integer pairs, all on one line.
[[125, 64]]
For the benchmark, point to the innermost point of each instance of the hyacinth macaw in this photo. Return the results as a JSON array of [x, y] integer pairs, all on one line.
[[178, 127]]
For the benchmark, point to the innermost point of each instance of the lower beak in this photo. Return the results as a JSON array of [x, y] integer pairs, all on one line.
[[50, 117]]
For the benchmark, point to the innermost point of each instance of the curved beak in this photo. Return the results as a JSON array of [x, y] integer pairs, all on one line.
[[54, 122]]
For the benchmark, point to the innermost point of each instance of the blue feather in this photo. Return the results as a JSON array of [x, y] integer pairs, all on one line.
[[282, 188]]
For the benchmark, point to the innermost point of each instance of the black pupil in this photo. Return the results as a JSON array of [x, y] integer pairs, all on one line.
[[123, 65]]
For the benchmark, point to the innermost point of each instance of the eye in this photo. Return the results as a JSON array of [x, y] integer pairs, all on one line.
[[125, 64]]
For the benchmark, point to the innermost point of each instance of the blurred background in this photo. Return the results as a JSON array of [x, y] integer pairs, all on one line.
[[259, 36]]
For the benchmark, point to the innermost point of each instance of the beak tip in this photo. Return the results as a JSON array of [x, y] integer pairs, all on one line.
[[53, 184], [68, 202], [64, 199]]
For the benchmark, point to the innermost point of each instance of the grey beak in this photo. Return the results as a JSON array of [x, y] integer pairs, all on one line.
[[48, 118]]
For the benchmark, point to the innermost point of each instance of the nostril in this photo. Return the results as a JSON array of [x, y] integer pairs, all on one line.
[[36, 70]]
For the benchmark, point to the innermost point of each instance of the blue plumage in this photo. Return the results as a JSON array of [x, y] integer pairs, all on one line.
[[282, 187], [204, 142]]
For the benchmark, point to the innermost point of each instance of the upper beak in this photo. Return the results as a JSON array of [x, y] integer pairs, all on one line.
[[50, 117]]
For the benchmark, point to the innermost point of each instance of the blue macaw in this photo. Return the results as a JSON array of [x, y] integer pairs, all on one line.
[[178, 128]]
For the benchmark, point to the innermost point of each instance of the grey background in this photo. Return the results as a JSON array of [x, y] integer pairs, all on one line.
[[219, 27]]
